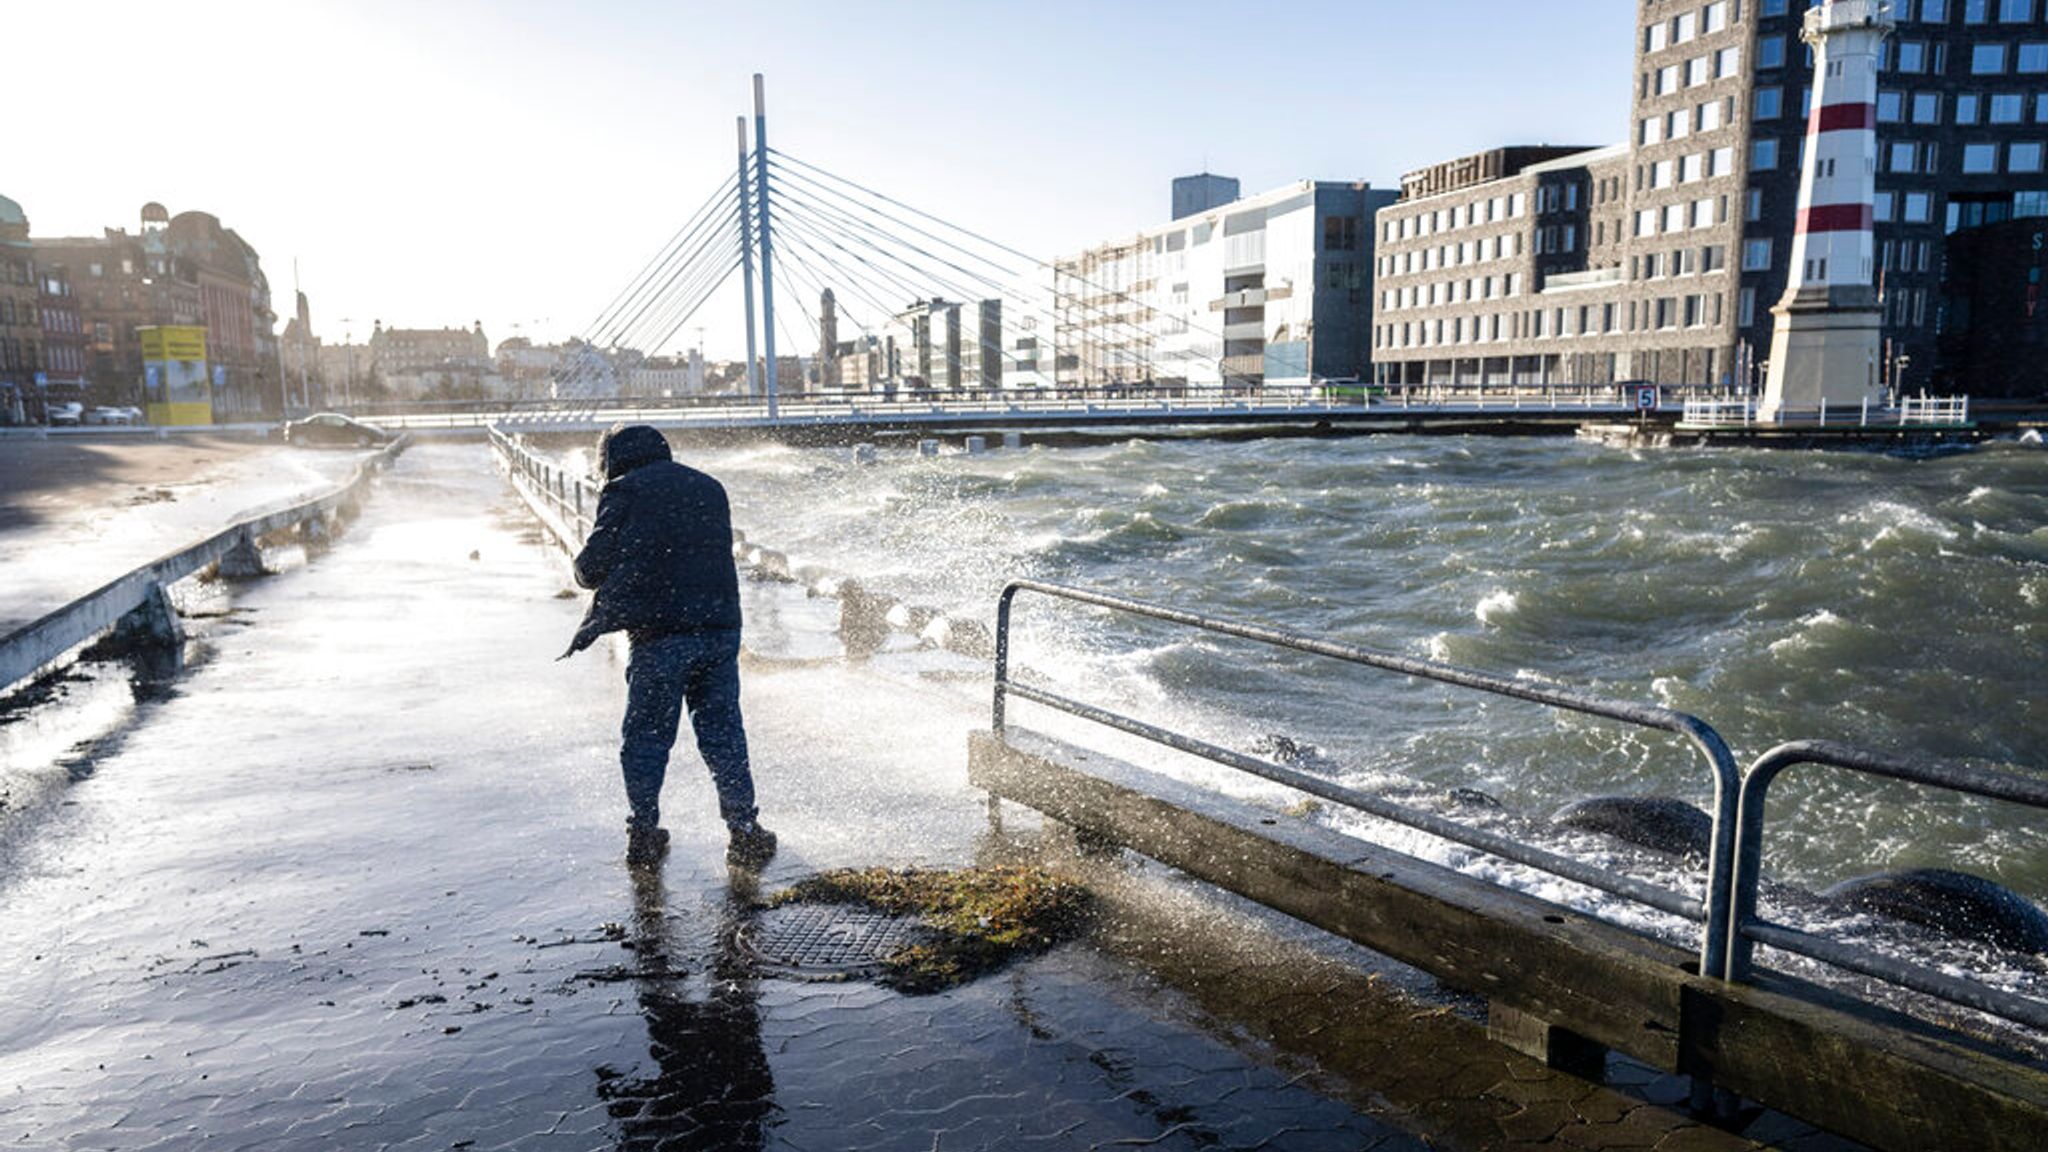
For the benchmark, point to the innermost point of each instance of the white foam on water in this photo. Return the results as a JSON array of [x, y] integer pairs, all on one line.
[[1895, 521], [1497, 603]]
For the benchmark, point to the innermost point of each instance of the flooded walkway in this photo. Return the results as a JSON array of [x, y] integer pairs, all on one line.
[[358, 882]]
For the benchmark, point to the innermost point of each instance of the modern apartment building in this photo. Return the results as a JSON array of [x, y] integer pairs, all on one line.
[[1660, 258], [1270, 289]]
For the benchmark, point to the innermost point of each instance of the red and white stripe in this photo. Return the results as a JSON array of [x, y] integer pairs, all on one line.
[[1834, 239]]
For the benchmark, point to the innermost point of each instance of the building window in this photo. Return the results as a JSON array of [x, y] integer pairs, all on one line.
[[1756, 255], [2031, 59], [1769, 103], [1753, 211], [1980, 158], [1919, 207], [1987, 59], [1770, 52], [1727, 62], [2015, 11], [1934, 11], [1763, 154], [1882, 207], [1891, 107], [2008, 108], [1976, 11], [1926, 107], [1967, 106], [2023, 157], [1912, 56]]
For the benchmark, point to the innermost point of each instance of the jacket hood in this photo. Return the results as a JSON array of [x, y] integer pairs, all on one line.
[[632, 446]]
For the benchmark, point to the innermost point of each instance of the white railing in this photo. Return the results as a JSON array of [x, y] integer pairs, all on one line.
[[1719, 413], [1934, 410]]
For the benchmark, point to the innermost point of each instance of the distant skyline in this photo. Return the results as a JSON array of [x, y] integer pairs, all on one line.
[[433, 165]]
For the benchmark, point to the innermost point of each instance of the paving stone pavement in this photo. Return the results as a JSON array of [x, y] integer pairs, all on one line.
[[358, 883]]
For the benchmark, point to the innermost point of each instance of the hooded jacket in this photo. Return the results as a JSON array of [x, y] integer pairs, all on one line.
[[660, 555]]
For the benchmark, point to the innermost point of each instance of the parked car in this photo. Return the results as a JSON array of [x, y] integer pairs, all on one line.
[[67, 414], [333, 430], [113, 414]]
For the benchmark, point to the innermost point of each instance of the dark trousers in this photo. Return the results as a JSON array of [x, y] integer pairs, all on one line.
[[701, 669]]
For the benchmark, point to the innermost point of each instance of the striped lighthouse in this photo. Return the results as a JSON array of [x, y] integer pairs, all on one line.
[[1825, 343]]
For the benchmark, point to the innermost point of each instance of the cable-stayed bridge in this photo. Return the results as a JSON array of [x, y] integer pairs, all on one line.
[[862, 310]]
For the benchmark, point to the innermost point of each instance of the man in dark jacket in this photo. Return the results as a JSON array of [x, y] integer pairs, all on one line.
[[660, 560]]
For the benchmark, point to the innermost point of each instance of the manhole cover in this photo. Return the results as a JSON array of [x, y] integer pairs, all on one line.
[[829, 940]]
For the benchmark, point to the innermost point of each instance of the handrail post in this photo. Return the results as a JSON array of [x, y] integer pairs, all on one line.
[[1002, 670]]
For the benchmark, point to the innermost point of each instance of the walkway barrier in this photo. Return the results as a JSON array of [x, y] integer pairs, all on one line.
[[566, 502], [1749, 928], [34, 647], [1560, 984], [1326, 400], [1913, 411], [1719, 413], [1719, 763], [1934, 410]]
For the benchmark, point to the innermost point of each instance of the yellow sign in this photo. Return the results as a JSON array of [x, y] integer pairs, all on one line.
[[173, 342], [175, 382], [163, 415]]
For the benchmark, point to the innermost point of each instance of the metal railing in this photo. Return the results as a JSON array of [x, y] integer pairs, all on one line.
[[565, 501], [1934, 410], [1747, 928], [1913, 411], [1719, 413], [1711, 913], [33, 647], [1138, 402], [1736, 851]]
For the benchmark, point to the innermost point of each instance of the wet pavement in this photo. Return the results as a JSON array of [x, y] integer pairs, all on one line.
[[358, 883], [108, 504]]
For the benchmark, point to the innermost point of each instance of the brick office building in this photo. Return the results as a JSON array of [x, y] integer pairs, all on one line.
[[1667, 268], [182, 270], [64, 341]]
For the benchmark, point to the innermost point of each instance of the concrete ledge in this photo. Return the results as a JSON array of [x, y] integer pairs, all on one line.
[[1601, 983], [1554, 979], [1841, 1070], [35, 646]]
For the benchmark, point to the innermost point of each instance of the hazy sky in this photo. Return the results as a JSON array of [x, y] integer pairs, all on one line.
[[517, 162]]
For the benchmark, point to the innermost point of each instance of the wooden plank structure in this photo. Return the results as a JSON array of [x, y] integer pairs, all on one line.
[[1559, 985]]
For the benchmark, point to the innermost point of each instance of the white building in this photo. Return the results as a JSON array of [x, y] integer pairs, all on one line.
[[1274, 289]]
